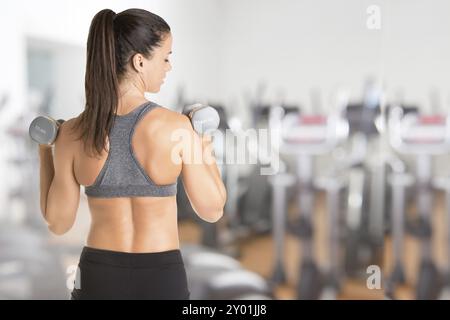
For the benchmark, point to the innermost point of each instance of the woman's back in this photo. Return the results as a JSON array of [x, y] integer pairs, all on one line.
[[136, 224]]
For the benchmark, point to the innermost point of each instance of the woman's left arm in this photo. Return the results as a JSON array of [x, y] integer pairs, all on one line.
[[59, 190]]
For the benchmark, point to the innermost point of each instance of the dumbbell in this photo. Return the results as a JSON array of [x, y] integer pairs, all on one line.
[[44, 130], [204, 119]]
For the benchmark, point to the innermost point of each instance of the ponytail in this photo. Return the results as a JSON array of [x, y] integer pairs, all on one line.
[[101, 83]]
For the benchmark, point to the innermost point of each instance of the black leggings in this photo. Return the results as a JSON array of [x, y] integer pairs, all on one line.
[[105, 274]]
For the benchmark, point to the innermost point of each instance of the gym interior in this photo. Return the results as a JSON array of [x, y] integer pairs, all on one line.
[[333, 144]]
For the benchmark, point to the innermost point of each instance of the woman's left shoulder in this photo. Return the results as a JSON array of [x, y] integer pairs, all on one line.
[[67, 130]]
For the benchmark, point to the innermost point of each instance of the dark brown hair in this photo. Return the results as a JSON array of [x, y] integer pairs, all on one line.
[[112, 42]]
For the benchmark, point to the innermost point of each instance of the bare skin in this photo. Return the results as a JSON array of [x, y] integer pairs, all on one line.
[[137, 224]]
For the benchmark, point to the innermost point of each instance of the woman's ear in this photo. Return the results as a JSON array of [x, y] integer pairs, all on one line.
[[138, 62]]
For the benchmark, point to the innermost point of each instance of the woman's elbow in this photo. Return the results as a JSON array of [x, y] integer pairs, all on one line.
[[210, 214], [213, 216], [58, 229]]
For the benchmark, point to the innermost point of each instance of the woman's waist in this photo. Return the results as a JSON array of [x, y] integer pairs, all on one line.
[[145, 239], [124, 259]]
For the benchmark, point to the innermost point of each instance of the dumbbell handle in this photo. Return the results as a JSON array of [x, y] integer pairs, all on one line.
[[191, 109]]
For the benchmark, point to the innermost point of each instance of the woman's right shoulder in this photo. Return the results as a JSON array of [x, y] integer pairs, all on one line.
[[174, 120], [171, 126]]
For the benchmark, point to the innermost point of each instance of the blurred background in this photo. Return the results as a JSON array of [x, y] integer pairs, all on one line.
[[358, 93]]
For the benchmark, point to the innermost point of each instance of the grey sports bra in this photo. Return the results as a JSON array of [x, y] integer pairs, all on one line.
[[122, 175]]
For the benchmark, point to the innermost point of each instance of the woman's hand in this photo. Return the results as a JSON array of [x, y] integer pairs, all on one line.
[[44, 147]]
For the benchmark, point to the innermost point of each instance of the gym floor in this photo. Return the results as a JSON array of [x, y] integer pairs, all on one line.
[[257, 255], [257, 252]]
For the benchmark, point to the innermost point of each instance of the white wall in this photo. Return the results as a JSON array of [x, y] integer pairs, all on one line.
[[297, 45], [222, 48], [417, 49], [195, 60]]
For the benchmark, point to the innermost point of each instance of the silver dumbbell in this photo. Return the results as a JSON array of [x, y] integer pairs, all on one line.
[[204, 119], [44, 130]]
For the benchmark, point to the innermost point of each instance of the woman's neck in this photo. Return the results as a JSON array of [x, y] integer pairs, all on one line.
[[129, 98]]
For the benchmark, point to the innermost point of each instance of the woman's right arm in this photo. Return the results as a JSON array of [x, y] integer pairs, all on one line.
[[201, 176]]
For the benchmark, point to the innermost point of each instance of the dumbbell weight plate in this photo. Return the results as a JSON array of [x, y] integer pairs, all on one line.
[[44, 130], [205, 120]]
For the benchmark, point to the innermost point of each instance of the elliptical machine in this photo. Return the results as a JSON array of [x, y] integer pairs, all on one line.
[[423, 137], [306, 137], [366, 192]]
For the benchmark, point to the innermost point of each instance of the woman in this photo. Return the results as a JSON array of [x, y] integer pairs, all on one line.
[[121, 148]]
